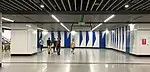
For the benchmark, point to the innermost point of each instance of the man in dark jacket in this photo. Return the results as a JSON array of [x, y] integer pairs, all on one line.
[[58, 46], [49, 43]]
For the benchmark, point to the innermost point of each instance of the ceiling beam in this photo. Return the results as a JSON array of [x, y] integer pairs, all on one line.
[[77, 22], [76, 12]]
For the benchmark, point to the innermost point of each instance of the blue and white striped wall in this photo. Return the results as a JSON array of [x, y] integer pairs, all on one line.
[[119, 39], [82, 39]]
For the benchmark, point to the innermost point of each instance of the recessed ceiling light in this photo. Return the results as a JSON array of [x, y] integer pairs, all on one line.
[[126, 6], [42, 6]]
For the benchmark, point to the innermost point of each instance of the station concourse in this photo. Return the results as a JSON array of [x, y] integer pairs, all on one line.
[[74, 35]]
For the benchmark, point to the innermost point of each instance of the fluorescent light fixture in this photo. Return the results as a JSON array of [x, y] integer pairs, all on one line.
[[59, 21], [97, 26], [55, 18], [28, 25], [109, 18], [42, 6], [6, 19], [42, 29], [6, 27], [64, 26], [104, 21], [126, 6]]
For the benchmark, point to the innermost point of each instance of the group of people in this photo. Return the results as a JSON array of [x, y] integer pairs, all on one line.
[[56, 45]]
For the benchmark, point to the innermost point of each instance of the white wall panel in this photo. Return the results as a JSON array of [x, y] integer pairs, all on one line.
[[96, 44], [121, 38], [83, 43], [124, 48], [90, 39], [62, 38], [56, 35]]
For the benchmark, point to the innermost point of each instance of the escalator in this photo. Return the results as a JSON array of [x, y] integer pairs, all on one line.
[[5, 44]]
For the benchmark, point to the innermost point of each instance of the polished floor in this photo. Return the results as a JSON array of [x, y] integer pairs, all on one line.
[[84, 60]]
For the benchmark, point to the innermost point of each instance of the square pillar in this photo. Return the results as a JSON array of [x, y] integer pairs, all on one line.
[[23, 39]]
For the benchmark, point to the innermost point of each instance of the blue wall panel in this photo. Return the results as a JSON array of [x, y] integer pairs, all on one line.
[[102, 40], [93, 38], [87, 37]]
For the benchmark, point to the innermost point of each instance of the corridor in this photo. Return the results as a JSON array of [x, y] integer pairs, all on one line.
[[84, 60]]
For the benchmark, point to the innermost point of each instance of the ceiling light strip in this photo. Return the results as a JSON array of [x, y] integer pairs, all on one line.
[[63, 5], [105, 5], [123, 5], [75, 5], [51, 5], [99, 5], [81, 5], [141, 7], [24, 5], [6, 27], [64, 26], [141, 4], [135, 4], [111, 5], [93, 5], [97, 26], [46, 5], [6, 19], [35, 4], [11, 5], [53, 16], [110, 17], [117, 5], [18, 5], [57, 5], [69, 5], [87, 5], [29, 5]]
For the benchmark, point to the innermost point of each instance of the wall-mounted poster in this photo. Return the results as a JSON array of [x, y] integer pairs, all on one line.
[[143, 41]]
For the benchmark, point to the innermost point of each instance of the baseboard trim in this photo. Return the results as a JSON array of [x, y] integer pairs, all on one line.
[[24, 54], [129, 53]]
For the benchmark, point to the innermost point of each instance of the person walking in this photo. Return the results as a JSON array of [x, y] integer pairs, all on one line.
[[58, 46], [73, 46], [41, 44], [55, 43], [49, 43]]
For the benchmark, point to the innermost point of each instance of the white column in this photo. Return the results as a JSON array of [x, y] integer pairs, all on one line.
[[24, 39], [0, 39]]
